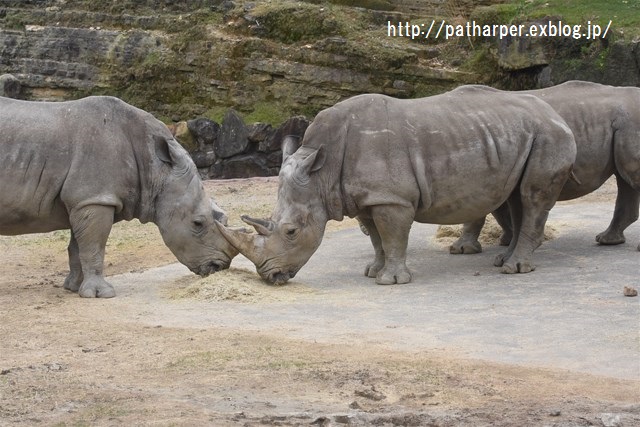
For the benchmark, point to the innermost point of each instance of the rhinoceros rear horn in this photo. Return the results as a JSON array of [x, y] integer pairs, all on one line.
[[262, 226], [290, 144], [244, 242]]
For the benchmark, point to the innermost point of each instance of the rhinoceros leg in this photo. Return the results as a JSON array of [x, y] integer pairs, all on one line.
[[392, 224], [514, 205], [74, 279], [91, 226], [468, 242], [624, 214], [528, 228], [503, 218], [372, 269]]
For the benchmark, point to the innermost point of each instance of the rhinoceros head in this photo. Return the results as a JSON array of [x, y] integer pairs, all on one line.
[[286, 241], [186, 216]]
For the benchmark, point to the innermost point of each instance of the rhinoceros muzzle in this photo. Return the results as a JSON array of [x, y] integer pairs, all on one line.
[[279, 277], [210, 267]]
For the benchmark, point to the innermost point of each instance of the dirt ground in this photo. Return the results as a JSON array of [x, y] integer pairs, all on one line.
[[67, 361]]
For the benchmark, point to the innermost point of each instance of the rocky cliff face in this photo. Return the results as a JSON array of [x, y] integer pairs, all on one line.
[[183, 59]]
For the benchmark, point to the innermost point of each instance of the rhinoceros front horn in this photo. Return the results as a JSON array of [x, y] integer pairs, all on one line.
[[247, 244]]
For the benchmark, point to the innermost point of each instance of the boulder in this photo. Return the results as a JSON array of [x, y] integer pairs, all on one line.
[[259, 132], [243, 166], [10, 86], [233, 138], [204, 158], [205, 132], [295, 126], [521, 53]]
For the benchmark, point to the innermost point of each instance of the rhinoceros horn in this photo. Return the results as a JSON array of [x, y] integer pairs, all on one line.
[[290, 144], [249, 245]]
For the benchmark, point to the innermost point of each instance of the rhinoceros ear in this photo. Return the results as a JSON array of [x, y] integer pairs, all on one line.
[[169, 152], [313, 161], [162, 149], [262, 226], [290, 144]]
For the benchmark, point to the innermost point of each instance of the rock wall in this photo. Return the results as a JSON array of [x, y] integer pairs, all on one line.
[[185, 59]]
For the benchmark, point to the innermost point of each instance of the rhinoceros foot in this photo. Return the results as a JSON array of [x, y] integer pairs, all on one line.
[[610, 237], [513, 267], [505, 238], [372, 269], [392, 275], [73, 281], [96, 287], [465, 246]]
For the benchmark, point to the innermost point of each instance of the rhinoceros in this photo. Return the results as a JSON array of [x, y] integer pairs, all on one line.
[[390, 162], [83, 165], [605, 121]]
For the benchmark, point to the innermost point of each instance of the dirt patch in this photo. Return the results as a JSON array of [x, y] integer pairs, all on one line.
[[71, 361]]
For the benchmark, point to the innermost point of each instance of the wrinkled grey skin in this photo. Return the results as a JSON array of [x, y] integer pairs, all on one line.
[[390, 162], [605, 122], [83, 165]]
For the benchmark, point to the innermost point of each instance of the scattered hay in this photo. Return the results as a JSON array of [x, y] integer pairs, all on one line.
[[235, 284], [490, 234]]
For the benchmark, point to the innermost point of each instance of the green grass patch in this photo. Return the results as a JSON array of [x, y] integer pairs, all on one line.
[[623, 14]]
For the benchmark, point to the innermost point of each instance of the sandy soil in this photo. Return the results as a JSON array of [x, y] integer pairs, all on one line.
[[71, 361]]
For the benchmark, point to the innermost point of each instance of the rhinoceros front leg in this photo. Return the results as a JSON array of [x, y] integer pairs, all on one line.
[[74, 279], [372, 269], [91, 226], [393, 224], [624, 214]]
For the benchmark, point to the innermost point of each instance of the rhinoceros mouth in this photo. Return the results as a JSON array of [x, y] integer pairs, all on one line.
[[211, 267], [278, 277]]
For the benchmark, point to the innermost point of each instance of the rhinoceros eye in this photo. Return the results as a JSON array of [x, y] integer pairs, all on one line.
[[198, 225], [291, 232]]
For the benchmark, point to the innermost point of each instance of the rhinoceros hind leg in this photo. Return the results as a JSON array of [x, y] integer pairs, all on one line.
[[74, 279], [91, 226], [468, 242], [503, 218], [517, 257], [624, 214], [464, 246]]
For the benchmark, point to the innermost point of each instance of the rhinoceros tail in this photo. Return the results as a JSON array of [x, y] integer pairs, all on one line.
[[574, 178]]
